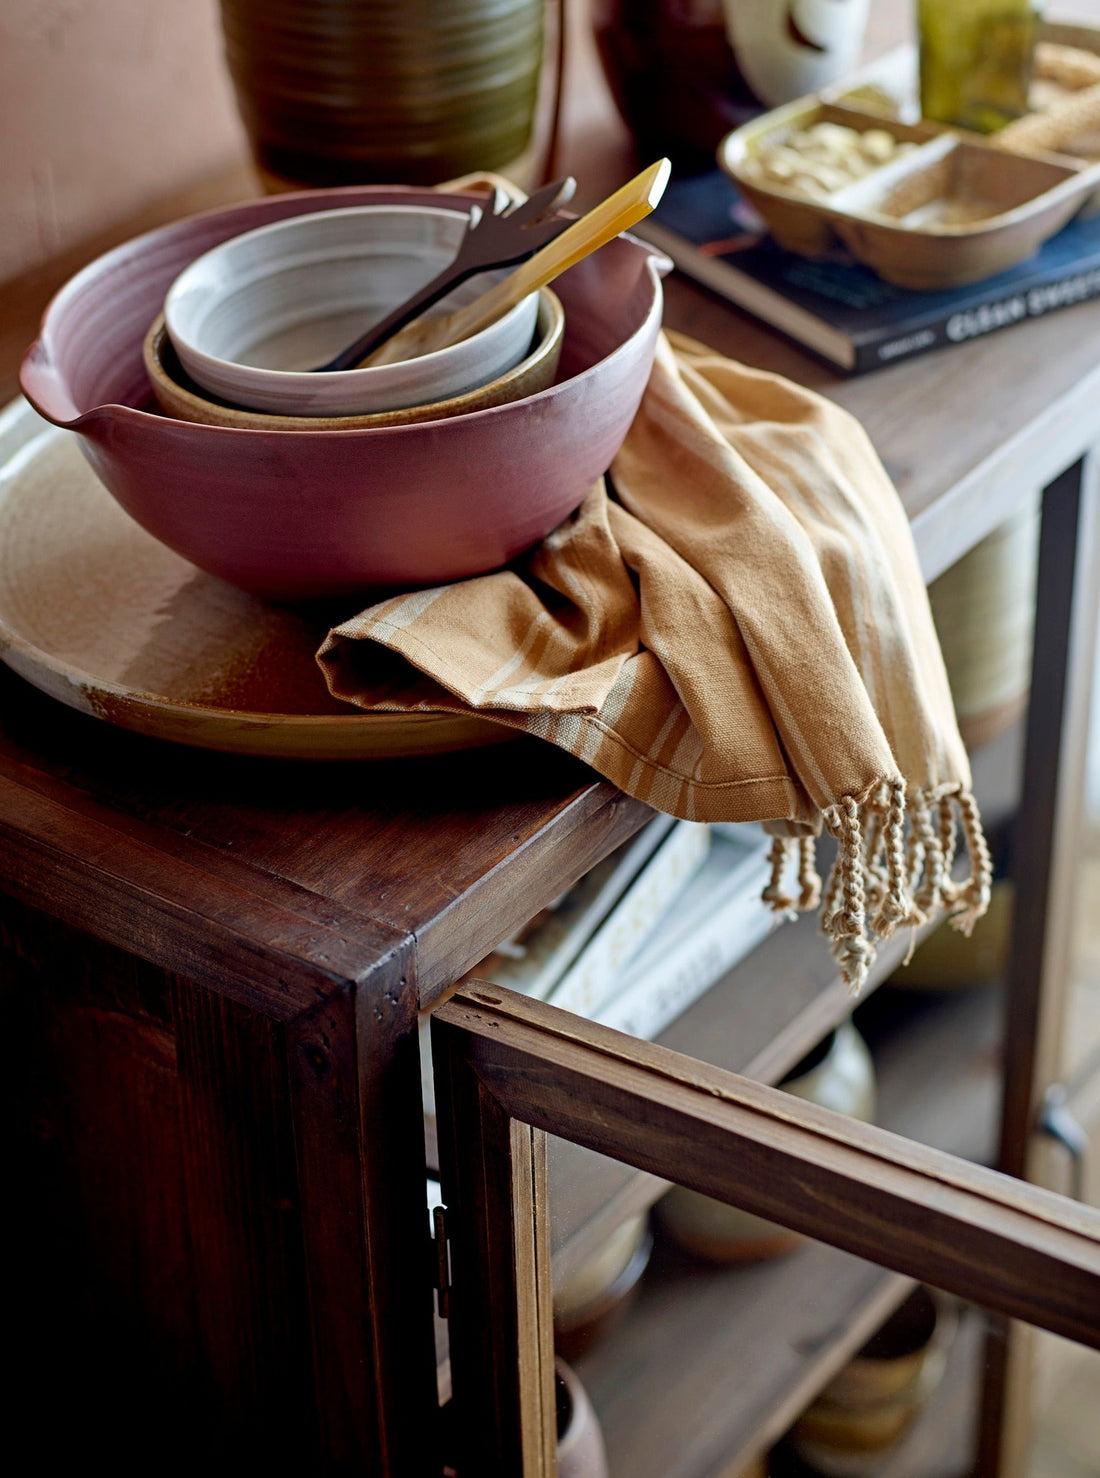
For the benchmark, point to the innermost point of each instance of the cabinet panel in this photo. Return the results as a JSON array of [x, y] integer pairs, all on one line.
[[161, 1284]]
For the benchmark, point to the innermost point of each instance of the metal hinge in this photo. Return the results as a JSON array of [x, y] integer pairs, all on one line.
[[442, 1263], [1057, 1122]]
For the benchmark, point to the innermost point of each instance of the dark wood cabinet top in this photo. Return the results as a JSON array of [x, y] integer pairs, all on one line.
[[330, 867], [451, 854]]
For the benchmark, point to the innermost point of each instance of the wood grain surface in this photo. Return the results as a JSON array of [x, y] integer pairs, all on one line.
[[984, 1236], [684, 1345], [212, 963], [495, 1193]]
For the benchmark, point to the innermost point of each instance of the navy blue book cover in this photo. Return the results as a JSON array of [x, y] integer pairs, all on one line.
[[841, 309]]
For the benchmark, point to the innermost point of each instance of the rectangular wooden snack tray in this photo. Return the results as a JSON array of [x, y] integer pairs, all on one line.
[[947, 208]]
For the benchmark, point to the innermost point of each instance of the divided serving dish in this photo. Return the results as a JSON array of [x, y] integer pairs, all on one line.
[[947, 209]]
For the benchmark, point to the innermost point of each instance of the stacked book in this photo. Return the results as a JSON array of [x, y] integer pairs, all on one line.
[[644, 933], [836, 307], [839, 309]]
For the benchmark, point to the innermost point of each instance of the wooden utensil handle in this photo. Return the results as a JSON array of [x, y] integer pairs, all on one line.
[[607, 220], [616, 214]]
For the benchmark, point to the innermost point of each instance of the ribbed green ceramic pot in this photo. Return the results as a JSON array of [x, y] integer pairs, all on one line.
[[341, 92]]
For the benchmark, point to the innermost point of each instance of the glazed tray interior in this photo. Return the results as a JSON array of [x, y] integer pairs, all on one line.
[[926, 189]]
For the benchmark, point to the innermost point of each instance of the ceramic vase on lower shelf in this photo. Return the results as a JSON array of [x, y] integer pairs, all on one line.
[[839, 1075], [866, 1410], [984, 610], [581, 1452]]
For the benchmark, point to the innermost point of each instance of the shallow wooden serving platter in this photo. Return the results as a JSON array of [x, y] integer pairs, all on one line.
[[103, 617]]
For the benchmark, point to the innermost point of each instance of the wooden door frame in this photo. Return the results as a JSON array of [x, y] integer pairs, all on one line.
[[510, 1070], [1046, 860]]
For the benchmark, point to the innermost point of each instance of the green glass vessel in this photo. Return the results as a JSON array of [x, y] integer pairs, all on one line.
[[975, 60]]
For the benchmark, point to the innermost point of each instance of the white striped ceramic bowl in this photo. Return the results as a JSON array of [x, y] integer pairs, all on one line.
[[252, 316]]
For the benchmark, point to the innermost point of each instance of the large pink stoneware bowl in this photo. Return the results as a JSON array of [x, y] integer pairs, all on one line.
[[294, 515]]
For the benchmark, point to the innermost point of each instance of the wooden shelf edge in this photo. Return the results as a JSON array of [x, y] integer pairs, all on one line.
[[725, 1029]]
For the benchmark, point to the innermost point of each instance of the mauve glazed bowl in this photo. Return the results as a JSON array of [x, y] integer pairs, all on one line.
[[297, 515]]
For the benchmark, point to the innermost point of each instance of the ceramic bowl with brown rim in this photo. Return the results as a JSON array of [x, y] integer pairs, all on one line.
[[865, 1411], [598, 1293], [179, 396], [254, 317]]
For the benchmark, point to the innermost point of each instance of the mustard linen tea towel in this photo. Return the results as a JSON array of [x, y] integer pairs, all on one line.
[[736, 630]]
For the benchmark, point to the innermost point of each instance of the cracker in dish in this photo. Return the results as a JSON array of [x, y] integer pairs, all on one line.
[[822, 158]]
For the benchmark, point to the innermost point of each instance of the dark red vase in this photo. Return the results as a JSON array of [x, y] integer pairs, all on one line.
[[673, 75]]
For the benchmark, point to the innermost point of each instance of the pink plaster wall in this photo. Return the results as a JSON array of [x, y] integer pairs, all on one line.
[[105, 106]]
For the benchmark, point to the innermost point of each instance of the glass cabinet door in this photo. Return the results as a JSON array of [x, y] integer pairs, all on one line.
[[712, 1364]]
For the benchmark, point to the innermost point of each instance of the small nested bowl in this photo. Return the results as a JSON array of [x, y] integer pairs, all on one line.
[[179, 396], [253, 316], [596, 1295], [865, 1411]]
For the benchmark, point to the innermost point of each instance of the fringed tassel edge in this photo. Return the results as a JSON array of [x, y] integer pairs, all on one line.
[[785, 850], [884, 876]]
